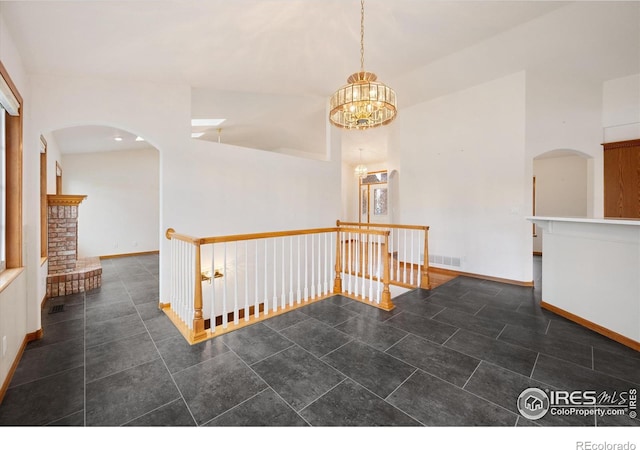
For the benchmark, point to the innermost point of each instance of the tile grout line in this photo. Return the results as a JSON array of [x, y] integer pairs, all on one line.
[[548, 326], [472, 374], [501, 331], [454, 333], [534, 365]]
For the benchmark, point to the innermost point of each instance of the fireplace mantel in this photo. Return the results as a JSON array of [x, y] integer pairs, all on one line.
[[64, 200]]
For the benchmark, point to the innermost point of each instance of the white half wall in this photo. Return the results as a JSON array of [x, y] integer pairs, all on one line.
[[462, 172], [121, 213]]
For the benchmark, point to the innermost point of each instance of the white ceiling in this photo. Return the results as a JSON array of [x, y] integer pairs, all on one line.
[[94, 138], [248, 53]]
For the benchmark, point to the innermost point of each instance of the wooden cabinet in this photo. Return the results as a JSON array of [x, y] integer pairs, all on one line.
[[622, 179]]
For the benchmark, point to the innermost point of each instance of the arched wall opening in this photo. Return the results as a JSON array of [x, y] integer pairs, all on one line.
[[563, 186], [119, 172]]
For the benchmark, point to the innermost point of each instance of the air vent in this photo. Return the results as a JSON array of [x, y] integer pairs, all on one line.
[[453, 261], [56, 309]]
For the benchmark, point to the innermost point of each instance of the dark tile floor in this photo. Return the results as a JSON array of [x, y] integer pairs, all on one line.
[[458, 355]]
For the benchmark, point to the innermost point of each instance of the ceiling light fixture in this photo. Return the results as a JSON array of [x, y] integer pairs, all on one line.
[[364, 102], [361, 170], [139, 139], [117, 138]]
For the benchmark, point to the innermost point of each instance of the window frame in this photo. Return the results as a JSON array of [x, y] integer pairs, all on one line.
[[14, 169]]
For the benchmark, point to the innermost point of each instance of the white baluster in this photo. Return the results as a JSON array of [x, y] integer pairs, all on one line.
[[343, 255], [412, 233], [313, 280], [246, 281], [236, 309], [397, 255], [370, 253], [275, 275], [380, 264], [363, 262], [224, 289], [256, 306], [349, 261], [266, 281], [358, 264], [319, 291], [419, 249], [298, 292], [172, 271], [283, 303], [326, 255], [306, 269], [404, 256], [213, 290], [290, 270]]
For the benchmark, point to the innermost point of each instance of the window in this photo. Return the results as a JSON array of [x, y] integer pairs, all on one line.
[[3, 191], [10, 173]]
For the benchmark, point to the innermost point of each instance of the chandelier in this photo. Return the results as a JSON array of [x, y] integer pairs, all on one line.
[[364, 102], [361, 170]]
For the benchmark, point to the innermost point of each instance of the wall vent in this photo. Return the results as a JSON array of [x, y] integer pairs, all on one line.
[[452, 261]]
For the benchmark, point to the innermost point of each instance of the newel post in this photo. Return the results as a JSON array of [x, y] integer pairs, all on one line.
[[198, 319], [385, 302], [337, 283], [425, 283]]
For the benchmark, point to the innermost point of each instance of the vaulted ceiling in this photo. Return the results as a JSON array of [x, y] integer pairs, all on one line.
[[268, 66]]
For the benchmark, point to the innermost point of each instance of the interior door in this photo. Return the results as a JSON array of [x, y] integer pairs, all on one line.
[[374, 198]]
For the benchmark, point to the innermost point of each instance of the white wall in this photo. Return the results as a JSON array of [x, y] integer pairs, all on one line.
[[462, 160], [349, 194], [561, 189], [564, 112], [16, 305], [621, 109], [121, 213], [53, 156]]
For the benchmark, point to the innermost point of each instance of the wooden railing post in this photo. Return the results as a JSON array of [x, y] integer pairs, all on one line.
[[425, 283], [198, 319], [385, 301], [337, 282]]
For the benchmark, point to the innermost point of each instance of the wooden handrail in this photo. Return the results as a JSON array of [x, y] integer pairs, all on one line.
[[171, 234], [381, 225]]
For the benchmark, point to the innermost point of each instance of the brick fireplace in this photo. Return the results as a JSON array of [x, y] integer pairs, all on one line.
[[67, 274]]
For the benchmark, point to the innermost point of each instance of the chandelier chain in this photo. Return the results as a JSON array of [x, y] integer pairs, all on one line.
[[361, 35]]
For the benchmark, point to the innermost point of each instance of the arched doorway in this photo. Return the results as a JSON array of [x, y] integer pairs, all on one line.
[[562, 187], [119, 172]]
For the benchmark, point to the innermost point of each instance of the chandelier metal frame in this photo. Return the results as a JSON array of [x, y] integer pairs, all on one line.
[[365, 102]]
